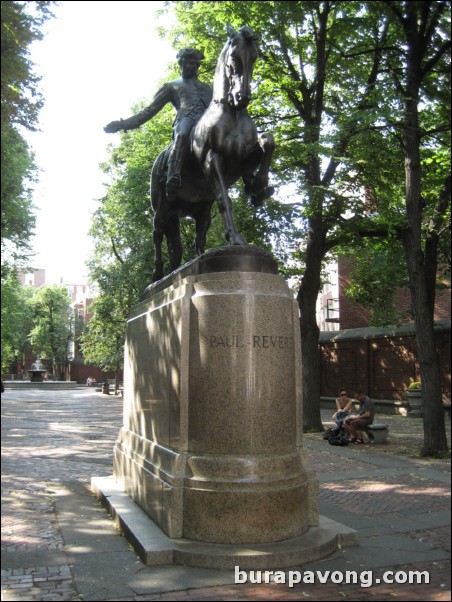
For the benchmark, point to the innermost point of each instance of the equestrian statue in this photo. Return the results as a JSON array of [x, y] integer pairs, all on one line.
[[214, 144]]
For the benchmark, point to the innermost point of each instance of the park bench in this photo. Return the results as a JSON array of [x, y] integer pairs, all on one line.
[[377, 432], [103, 387], [107, 386]]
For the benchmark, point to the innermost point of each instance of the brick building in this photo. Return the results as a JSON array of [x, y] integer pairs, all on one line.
[[35, 278], [337, 311]]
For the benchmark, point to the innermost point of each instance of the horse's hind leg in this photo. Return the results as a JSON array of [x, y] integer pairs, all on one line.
[[256, 182], [174, 242], [158, 240]]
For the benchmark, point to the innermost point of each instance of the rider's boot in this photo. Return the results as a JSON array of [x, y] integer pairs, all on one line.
[[174, 180]]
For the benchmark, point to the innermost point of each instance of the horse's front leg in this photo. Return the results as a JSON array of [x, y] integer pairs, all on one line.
[[256, 182], [158, 240], [223, 200], [202, 219]]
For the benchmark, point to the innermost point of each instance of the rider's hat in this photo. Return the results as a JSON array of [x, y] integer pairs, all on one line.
[[189, 54]]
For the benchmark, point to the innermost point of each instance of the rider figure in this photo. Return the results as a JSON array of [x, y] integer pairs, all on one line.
[[190, 97]]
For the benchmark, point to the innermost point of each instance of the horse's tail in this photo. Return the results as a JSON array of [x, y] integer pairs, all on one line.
[[158, 177]]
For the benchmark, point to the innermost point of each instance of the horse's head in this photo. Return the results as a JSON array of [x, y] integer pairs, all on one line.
[[236, 63]]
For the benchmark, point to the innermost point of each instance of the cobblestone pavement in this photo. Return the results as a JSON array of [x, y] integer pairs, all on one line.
[[59, 544]]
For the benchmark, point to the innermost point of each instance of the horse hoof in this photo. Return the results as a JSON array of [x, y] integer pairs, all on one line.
[[258, 199], [236, 239], [156, 276], [269, 191]]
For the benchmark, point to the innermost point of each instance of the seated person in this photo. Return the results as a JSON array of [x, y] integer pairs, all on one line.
[[354, 425], [343, 405]]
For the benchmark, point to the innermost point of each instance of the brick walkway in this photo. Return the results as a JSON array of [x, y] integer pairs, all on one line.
[[59, 544], [387, 495]]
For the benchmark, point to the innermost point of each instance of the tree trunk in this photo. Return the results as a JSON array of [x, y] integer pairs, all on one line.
[[307, 300], [435, 440]]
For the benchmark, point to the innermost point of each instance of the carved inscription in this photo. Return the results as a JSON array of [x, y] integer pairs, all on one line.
[[267, 341], [226, 340], [272, 342]]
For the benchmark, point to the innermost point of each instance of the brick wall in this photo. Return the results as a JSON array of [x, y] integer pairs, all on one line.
[[80, 372], [383, 362]]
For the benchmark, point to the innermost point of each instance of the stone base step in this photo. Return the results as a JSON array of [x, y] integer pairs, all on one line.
[[155, 548]]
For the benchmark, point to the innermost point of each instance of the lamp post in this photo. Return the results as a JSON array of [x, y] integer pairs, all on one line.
[[70, 343], [70, 359]]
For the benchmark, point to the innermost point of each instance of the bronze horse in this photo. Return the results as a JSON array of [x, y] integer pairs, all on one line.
[[225, 146]]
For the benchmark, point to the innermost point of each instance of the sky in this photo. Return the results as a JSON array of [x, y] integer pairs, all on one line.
[[97, 60]]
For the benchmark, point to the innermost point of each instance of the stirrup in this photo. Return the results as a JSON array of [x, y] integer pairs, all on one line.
[[174, 181], [173, 185]]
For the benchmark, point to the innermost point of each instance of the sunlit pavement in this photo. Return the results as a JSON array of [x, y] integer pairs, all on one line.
[[58, 543]]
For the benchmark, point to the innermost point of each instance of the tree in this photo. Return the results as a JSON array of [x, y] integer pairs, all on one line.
[[103, 340], [18, 219], [20, 102], [16, 319], [421, 71], [51, 334]]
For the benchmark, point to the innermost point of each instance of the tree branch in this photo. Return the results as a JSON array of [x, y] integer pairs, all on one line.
[[115, 252], [432, 62], [441, 206], [370, 85]]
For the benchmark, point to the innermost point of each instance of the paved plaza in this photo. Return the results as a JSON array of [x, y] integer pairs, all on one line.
[[59, 543]]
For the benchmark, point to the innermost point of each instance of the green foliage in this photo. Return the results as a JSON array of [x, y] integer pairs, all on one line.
[[122, 261], [415, 386], [16, 318], [18, 220], [103, 340], [21, 25], [37, 321], [323, 79], [379, 269], [51, 334], [20, 102]]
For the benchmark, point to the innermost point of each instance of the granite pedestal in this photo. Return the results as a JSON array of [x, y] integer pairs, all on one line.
[[211, 447]]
